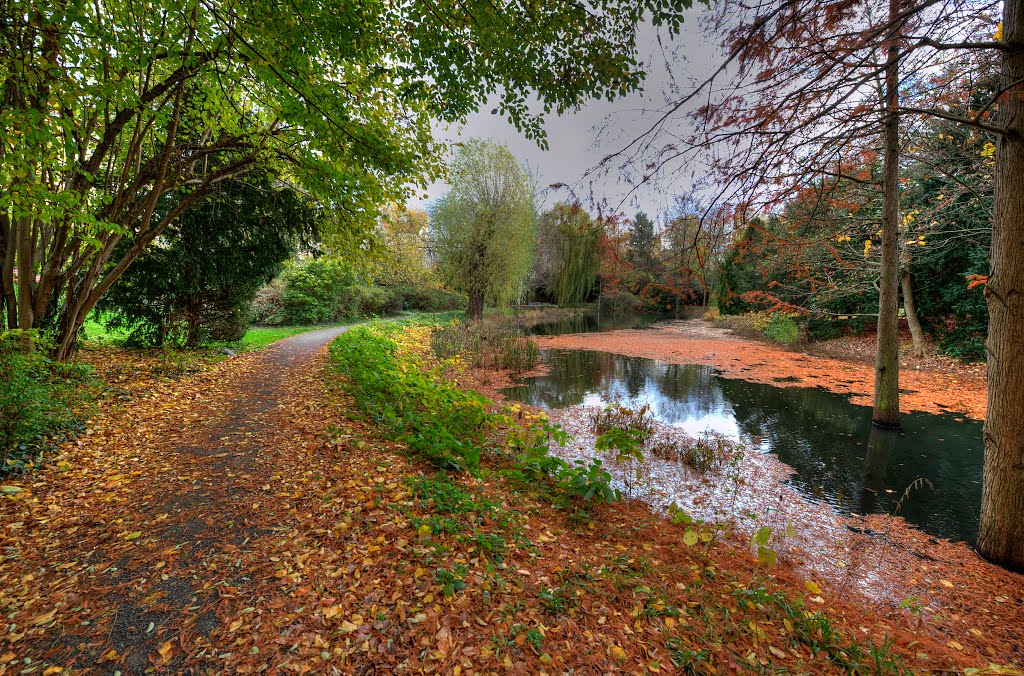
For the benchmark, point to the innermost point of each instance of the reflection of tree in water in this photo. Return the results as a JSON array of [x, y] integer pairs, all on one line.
[[837, 452], [814, 432], [689, 392], [588, 323], [881, 445], [831, 443]]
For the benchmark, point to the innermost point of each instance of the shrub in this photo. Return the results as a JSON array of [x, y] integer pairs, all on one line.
[[39, 399], [316, 291], [712, 314], [268, 305], [781, 328], [486, 346], [375, 301], [431, 299], [621, 302]]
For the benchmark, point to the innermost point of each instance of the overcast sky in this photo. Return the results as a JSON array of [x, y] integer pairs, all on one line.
[[578, 142]]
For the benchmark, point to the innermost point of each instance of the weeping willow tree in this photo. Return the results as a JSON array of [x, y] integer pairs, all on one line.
[[485, 227], [574, 256]]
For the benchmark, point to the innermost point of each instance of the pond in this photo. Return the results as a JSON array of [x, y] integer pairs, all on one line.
[[838, 455], [590, 322]]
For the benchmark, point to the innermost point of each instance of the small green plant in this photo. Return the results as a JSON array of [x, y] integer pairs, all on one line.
[[639, 422], [491, 545], [765, 554], [686, 659], [589, 481], [451, 581], [533, 637], [913, 604], [41, 400]]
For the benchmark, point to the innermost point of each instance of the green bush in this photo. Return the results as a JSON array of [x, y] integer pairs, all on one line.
[[268, 305], [317, 291], [375, 301], [781, 328], [39, 399], [321, 291], [431, 299]]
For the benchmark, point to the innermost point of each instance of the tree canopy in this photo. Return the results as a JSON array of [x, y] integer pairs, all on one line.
[[107, 107]]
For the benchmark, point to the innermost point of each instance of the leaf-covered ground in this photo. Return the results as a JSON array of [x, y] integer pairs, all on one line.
[[241, 520]]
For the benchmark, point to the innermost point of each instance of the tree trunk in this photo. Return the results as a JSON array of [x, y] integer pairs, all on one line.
[[910, 309], [476, 306], [7, 271], [887, 361], [1001, 535], [192, 316], [26, 271]]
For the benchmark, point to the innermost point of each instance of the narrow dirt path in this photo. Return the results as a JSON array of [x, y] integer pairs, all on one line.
[[130, 554]]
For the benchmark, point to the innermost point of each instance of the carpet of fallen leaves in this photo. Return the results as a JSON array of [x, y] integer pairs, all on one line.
[[931, 385], [240, 520]]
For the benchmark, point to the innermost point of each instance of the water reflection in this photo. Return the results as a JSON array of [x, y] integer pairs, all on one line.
[[837, 454], [590, 322]]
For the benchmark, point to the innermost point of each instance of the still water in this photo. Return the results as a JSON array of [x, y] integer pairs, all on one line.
[[839, 457], [591, 322]]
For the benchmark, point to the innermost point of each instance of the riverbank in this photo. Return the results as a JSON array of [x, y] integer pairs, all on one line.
[[929, 390]]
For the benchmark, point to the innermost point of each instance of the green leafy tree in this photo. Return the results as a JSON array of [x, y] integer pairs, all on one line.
[[404, 238], [485, 226], [642, 242], [574, 254], [107, 107], [199, 279]]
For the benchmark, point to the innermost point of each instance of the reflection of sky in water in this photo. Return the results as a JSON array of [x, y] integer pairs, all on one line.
[[695, 423], [838, 455]]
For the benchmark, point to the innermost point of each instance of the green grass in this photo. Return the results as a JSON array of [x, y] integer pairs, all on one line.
[[256, 338], [259, 337], [96, 332]]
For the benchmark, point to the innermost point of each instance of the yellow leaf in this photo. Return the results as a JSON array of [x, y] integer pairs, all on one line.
[[955, 645], [45, 617], [347, 627], [618, 653], [133, 536], [49, 671], [164, 649], [946, 583], [424, 530], [812, 587], [998, 35]]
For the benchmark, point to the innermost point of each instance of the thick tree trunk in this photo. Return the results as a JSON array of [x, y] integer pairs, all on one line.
[[7, 271], [910, 309], [26, 272], [475, 310], [192, 316], [1001, 535], [887, 361]]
